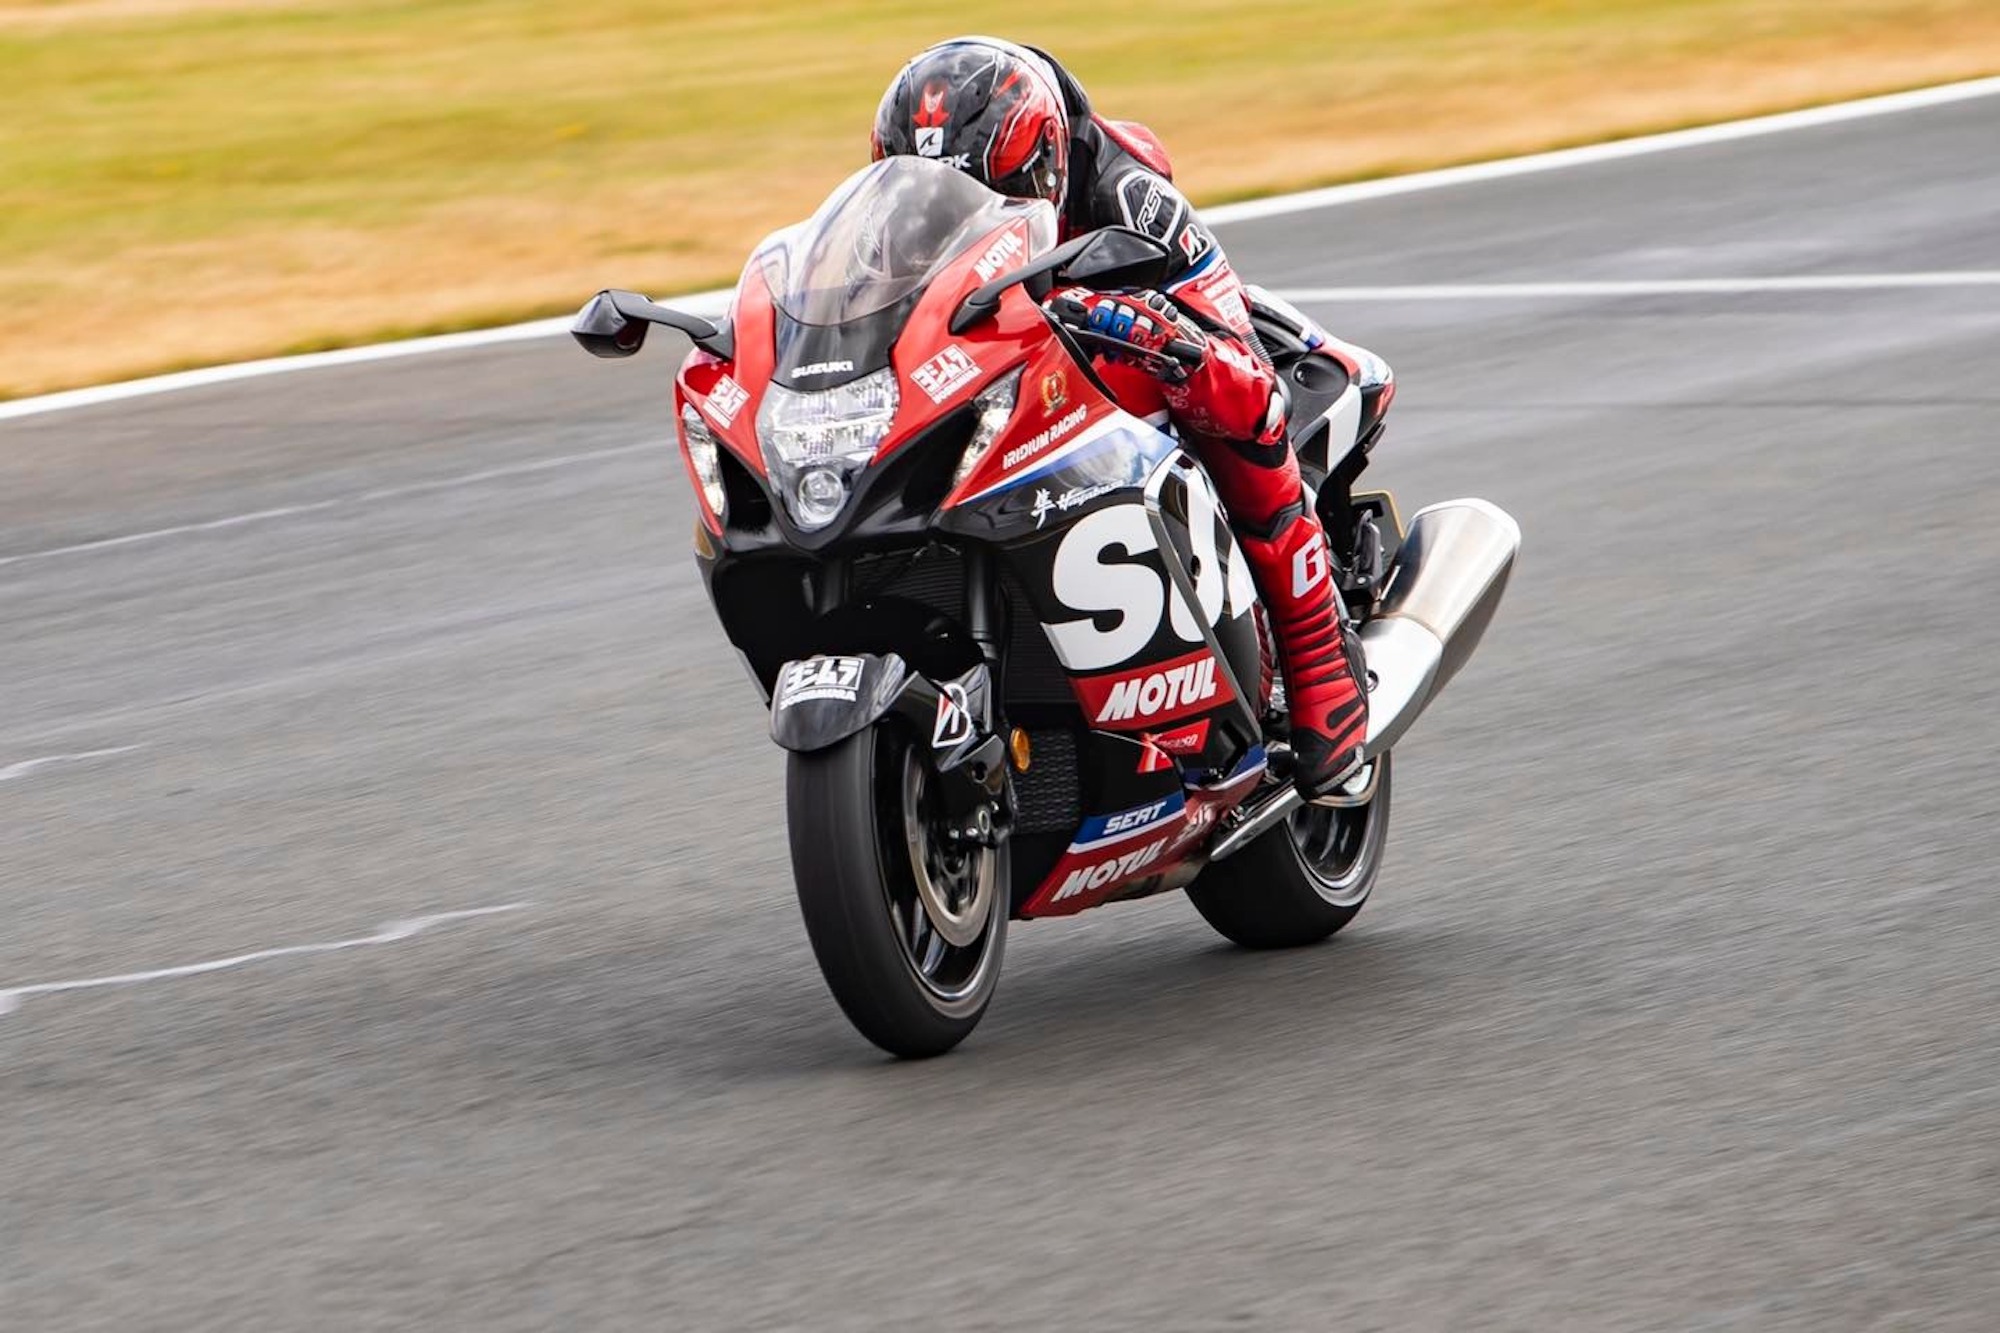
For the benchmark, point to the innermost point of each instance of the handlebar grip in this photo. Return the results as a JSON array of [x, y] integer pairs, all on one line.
[[1074, 315], [1173, 362]]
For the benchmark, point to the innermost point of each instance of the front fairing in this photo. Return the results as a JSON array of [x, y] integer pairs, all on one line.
[[1126, 622], [897, 497]]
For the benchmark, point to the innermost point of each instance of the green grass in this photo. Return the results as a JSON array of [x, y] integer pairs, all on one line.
[[252, 177]]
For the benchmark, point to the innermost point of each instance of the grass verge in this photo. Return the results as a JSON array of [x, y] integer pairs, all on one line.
[[190, 181]]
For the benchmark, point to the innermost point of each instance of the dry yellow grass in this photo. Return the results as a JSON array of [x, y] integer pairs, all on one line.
[[239, 178]]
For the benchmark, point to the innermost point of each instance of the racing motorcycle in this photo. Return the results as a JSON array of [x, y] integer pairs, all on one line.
[[1001, 624]]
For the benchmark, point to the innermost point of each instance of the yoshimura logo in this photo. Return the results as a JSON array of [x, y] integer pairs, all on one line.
[[836, 678], [726, 399], [1087, 878], [946, 373], [1160, 693]]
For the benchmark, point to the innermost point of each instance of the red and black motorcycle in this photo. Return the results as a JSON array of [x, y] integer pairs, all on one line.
[[1001, 624]]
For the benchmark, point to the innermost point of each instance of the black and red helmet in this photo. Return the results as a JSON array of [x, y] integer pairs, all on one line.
[[987, 107]]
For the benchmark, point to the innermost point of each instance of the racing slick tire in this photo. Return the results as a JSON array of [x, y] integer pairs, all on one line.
[[908, 926], [1303, 879]]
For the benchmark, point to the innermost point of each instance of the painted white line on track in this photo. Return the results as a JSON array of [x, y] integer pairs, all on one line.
[[1486, 291], [27, 766], [1563, 159], [713, 302], [276, 365], [390, 933], [339, 502], [1515, 291], [710, 304]]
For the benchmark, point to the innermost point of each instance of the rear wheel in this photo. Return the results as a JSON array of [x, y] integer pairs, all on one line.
[[1302, 880], [908, 926]]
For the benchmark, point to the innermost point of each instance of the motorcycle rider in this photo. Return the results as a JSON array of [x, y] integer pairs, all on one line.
[[1021, 124]]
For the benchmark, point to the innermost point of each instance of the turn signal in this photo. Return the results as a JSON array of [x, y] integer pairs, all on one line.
[[1017, 746]]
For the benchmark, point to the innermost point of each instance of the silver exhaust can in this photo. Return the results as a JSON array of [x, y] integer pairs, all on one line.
[[1443, 588], [1441, 594]]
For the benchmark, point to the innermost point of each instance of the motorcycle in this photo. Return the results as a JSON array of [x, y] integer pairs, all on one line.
[[1000, 623]]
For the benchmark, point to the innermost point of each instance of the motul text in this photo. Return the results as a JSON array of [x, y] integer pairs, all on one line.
[[1086, 878], [1170, 690]]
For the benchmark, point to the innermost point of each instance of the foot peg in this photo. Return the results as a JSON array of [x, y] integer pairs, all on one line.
[[1358, 789]]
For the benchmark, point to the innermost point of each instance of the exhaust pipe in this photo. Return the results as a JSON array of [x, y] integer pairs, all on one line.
[[1440, 596]]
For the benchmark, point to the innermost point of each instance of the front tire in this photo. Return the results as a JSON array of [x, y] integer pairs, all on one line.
[[1301, 881], [909, 931]]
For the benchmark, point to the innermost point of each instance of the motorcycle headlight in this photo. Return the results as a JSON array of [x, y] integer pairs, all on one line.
[[702, 452], [815, 443], [996, 406]]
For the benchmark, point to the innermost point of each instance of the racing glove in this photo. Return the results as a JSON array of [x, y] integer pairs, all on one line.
[[1142, 327]]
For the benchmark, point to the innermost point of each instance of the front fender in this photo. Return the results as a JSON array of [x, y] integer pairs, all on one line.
[[817, 702], [820, 701]]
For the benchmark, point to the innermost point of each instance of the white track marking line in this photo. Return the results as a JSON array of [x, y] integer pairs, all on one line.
[[1563, 159], [27, 766], [1487, 291], [713, 302], [710, 304], [1515, 291], [389, 933], [341, 502]]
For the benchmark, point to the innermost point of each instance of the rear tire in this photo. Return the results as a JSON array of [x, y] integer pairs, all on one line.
[[1302, 880], [855, 857]]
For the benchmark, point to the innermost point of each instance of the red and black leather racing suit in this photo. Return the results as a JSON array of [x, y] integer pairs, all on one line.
[[1231, 412]]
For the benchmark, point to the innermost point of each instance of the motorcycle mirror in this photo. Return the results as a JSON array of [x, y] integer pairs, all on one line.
[[602, 331], [1108, 257], [613, 324], [1119, 257]]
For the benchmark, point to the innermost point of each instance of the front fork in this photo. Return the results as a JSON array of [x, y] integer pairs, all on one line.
[[974, 763], [827, 585], [985, 617], [986, 622]]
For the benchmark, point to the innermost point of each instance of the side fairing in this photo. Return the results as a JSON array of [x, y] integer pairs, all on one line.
[[727, 393], [1116, 548], [1126, 557]]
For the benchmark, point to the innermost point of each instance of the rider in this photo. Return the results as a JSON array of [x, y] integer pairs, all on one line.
[[1020, 123]]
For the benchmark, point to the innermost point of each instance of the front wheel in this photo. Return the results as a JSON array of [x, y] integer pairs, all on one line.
[[908, 926], [1302, 880]]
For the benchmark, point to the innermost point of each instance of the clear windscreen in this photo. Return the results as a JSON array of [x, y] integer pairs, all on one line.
[[885, 233]]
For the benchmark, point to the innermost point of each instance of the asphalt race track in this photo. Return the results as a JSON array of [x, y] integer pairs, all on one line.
[[1676, 1008]]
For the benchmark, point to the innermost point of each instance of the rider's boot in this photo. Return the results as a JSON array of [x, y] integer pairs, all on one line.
[[1286, 549], [1320, 654], [1233, 410]]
